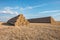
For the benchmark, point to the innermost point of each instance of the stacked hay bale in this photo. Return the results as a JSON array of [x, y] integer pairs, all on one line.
[[21, 21], [53, 22]]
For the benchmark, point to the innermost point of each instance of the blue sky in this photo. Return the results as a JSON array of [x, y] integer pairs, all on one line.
[[30, 9]]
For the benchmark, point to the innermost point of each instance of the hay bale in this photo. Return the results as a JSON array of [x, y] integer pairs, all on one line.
[[21, 21]]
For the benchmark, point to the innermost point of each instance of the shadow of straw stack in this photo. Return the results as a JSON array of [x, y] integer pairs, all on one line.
[[21, 21]]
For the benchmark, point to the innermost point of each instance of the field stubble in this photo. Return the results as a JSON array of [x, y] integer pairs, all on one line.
[[35, 31]]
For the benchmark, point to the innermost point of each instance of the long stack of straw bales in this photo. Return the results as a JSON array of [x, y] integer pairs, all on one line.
[[43, 20], [21, 21]]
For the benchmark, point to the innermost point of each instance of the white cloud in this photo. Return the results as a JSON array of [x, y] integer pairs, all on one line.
[[57, 14], [51, 11], [32, 7], [16, 13], [12, 7], [9, 10], [39, 6], [21, 9], [4, 18]]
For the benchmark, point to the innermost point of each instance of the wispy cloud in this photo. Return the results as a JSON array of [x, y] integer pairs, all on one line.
[[21, 9], [17, 7], [8, 10], [57, 14], [51, 11], [39, 6], [32, 7]]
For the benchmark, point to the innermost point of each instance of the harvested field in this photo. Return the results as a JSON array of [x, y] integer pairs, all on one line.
[[35, 31]]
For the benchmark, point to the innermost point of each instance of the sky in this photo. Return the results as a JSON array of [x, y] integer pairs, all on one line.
[[29, 8]]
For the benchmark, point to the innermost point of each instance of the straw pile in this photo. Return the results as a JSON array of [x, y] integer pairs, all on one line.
[[21, 21]]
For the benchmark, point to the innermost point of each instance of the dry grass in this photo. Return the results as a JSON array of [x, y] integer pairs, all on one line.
[[35, 31], [58, 23]]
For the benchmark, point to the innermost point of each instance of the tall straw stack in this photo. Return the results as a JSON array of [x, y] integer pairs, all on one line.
[[21, 21]]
